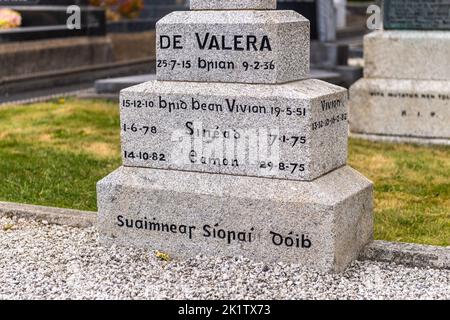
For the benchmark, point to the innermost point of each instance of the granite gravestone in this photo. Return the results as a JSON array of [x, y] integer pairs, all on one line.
[[265, 46], [405, 92], [222, 168]]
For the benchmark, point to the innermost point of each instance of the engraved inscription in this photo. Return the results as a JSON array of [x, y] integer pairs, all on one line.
[[214, 231], [229, 135], [417, 14]]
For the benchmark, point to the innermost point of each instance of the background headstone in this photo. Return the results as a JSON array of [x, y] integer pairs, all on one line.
[[416, 15], [405, 91], [341, 13]]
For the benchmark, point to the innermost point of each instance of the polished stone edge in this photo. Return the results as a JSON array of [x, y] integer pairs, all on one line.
[[58, 216], [400, 139], [409, 254]]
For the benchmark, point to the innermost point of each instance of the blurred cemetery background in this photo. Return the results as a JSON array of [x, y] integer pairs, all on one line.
[[115, 48]]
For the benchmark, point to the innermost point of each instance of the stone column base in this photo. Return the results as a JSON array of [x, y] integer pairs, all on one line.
[[323, 224]]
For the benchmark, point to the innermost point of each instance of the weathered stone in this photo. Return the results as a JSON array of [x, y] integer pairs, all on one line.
[[59, 216], [233, 4], [233, 46], [421, 55], [322, 224], [401, 139], [410, 108], [417, 14], [409, 254], [294, 131]]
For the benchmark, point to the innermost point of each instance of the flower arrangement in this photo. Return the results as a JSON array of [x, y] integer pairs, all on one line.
[[120, 9], [9, 19]]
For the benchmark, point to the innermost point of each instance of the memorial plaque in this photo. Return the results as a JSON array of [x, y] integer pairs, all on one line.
[[237, 46], [295, 131], [233, 4], [417, 14]]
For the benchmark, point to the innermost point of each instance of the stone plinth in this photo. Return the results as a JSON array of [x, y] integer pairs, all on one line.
[[417, 55], [322, 224], [233, 151], [233, 46], [295, 131], [409, 108]]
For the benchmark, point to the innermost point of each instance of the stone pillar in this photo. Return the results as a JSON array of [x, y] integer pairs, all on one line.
[[341, 13], [232, 150]]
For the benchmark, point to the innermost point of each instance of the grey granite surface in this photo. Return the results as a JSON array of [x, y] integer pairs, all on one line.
[[233, 46], [322, 224], [294, 131], [409, 108], [415, 55], [233, 4]]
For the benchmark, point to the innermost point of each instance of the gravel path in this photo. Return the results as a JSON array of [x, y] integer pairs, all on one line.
[[40, 261]]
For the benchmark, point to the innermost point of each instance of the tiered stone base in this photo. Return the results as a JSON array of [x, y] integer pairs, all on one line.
[[401, 109], [231, 128], [322, 224]]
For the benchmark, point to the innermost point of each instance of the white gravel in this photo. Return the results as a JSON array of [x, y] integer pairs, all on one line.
[[42, 261]]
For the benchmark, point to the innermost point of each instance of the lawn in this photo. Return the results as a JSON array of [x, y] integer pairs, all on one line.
[[53, 154]]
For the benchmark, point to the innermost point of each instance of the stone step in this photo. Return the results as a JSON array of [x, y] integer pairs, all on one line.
[[264, 47], [295, 131], [321, 225]]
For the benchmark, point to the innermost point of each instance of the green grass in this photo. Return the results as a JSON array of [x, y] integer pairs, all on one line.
[[54, 153], [412, 190]]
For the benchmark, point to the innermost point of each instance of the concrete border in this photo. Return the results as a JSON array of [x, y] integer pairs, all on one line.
[[409, 254], [67, 217], [400, 139]]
